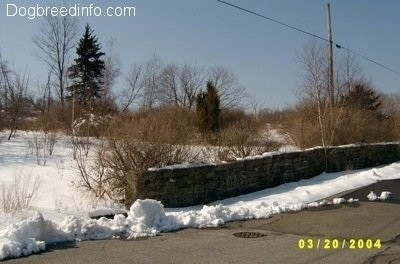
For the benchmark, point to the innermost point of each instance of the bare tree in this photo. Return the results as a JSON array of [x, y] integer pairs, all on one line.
[[16, 90], [112, 69], [173, 84], [13, 94], [191, 79], [4, 83], [151, 76], [169, 85], [43, 100], [314, 76], [55, 43], [255, 106], [314, 109], [315, 90], [179, 86], [230, 91], [348, 73], [133, 88]]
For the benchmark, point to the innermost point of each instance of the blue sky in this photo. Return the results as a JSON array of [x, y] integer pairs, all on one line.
[[263, 55]]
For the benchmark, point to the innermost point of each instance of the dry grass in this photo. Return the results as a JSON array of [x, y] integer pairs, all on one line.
[[19, 194]]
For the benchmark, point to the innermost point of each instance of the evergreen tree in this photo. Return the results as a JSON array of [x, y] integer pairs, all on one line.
[[87, 70], [208, 109], [213, 105], [201, 111], [362, 97]]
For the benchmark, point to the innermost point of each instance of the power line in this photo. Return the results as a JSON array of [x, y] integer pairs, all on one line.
[[310, 34], [271, 19], [370, 60]]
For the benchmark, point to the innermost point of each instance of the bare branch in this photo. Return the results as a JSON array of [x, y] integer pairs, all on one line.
[[180, 85], [55, 43], [231, 93], [191, 79], [111, 69], [152, 70], [134, 87]]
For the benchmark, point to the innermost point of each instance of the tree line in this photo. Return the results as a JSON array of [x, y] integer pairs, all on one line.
[[162, 109], [87, 84], [148, 84]]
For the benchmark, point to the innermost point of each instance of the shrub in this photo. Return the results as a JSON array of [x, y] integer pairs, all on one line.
[[350, 124], [302, 126], [19, 194], [231, 116], [245, 138], [135, 143], [208, 109], [363, 126]]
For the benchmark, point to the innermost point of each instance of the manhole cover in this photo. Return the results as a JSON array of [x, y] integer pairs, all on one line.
[[249, 235]]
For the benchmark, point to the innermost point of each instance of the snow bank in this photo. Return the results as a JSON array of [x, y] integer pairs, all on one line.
[[145, 218]]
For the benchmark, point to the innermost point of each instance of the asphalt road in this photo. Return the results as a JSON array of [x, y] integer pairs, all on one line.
[[363, 223]]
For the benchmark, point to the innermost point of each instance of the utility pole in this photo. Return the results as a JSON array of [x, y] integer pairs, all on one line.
[[331, 90]]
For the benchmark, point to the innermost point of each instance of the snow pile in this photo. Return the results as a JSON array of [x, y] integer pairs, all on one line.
[[384, 196], [21, 239], [352, 200], [145, 218], [338, 200], [372, 196], [148, 218]]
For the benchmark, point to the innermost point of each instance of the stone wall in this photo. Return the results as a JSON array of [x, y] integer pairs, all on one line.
[[200, 185]]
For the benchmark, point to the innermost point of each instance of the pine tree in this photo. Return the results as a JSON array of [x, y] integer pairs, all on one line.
[[363, 97], [213, 107], [201, 111], [87, 70], [208, 109]]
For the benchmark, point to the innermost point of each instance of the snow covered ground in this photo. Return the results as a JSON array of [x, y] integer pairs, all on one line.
[[60, 212]]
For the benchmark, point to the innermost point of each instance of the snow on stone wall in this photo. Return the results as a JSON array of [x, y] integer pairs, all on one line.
[[200, 185]]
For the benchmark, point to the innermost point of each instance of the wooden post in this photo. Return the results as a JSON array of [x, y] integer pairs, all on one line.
[[331, 88]]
